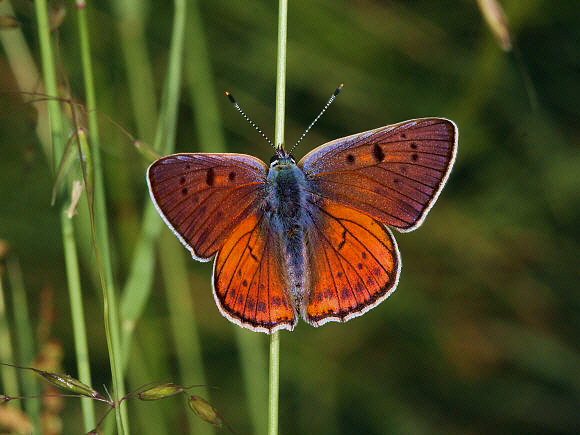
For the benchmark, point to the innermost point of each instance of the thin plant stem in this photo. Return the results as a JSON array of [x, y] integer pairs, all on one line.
[[101, 223], [57, 136], [7, 374], [281, 73], [24, 333], [279, 141], [57, 129], [274, 383], [99, 229], [77, 318], [49, 73]]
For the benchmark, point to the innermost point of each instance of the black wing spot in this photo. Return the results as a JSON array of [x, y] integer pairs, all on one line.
[[404, 135], [364, 255], [403, 169], [232, 176], [184, 191], [378, 153], [360, 266], [414, 146], [250, 303], [252, 254], [339, 274], [245, 283], [210, 177], [262, 307], [187, 166], [397, 180], [343, 241], [276, 301], [182, 180], [350, 159], [415, 157]]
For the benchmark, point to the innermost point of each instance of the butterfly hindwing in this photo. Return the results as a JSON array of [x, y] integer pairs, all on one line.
[[196, 194], [354, 263], [250, 286], [392, 173]]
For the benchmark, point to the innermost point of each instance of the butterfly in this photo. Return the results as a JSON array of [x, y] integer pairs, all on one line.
[[308, 239]]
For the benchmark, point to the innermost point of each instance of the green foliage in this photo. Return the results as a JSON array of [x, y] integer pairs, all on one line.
[[483, 332]]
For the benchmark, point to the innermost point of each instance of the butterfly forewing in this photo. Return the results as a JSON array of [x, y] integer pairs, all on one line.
[[392, 173], [204, 197], [354, 263]]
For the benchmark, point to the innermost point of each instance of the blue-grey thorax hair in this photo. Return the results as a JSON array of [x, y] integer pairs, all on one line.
[[285, 208]]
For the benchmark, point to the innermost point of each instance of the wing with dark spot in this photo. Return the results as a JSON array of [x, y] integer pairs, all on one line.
[[393, 173], [354, 263], [249, 282], [204, 197]]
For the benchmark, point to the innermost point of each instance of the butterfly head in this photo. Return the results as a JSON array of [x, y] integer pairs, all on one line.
[[281, 159]]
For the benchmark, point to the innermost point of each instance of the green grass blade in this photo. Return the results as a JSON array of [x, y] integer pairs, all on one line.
[[77, 318], [57, 130], [24, 334], [7, 374], [132, 25], [182, 318], [139, 283]]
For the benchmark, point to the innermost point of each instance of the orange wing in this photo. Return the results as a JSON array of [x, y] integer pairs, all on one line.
[[203, 197], [354, 262], [392, 173], [250, 286]]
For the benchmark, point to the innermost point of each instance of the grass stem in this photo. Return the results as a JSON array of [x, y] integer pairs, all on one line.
[[279, 141]]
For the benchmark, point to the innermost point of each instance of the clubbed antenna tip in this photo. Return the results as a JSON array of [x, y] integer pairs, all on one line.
[[252, 123], [329, 102]]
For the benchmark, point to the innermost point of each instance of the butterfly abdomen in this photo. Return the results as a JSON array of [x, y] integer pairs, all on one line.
[[285, 204]]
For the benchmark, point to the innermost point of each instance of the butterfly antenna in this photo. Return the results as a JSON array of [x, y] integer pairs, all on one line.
[[252, 123], [318, 117]]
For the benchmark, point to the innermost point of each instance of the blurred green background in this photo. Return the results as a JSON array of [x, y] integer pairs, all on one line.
[[483, 332]]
